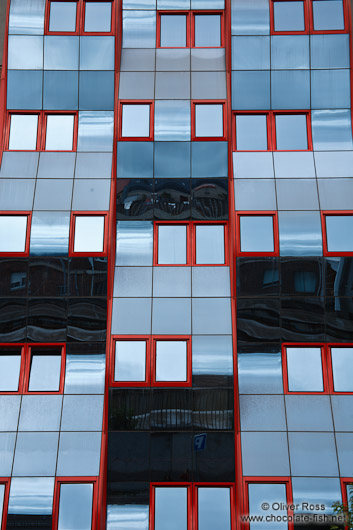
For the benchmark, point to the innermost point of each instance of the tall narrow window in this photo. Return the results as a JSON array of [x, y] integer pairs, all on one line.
[[291, 132], [251, 132], [131, 361], [173, 30], [14, 234], [172, 245], [10, 369], [87, 234], [208, 120], [59, 132], [170, 508], [304, 369], [209, 244], [45, 369], [75, 506], [338, 229], [171, 361], [207, 30], [23, 132], [342, 369], [136, 121]]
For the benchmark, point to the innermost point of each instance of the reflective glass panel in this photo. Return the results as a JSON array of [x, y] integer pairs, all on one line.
[[75, 507], [251, 132], [250, 18], [291, 132], [95, 131], [27, 18], [136, 121], [139, 29], [339, 233], [85, 374], [207, 30], [61, 53], [9, 372], [328, 15], [289, 16], [2, 494], [170, 512], [173, 31], [127, 517], [208, 120], [50, 233], [300, 234], [209, 244], [31, 496], [44, 374], [171, 360], [23, 132], [172, 244], [98, 16], [172, 121], [13, 230], [130, 360], [342, 367], [60, 133], [89, 233], [304, 370], [268, 494], [332, 130], [213, 508], [25, 52], [62, 16], [256, 233]]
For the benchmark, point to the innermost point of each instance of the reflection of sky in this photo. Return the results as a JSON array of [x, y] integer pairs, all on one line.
[[85, 373], [212, 355], [50, 233], [260, 372], [316, 491], [127, 517], [31, 496], [214, 508]]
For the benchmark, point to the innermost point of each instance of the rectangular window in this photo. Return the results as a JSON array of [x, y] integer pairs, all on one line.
[[172, 246], [173, 30], [289, 17], [97, 17], [46, 369], [252, 132], [88, 234], [136, 120], [274, 493], [170, 503], [329, 16], [185, 29], [342, 368], [337, 228], [257, 233], [23, 132], [60, 129], [210, 244], [171, 359], [131, 361], [292, 132], [214, 507], [208, 120], [11, 366], [75, 504], [4, 500], [14, 233], [207, 30], [303, 369], [63, 17]]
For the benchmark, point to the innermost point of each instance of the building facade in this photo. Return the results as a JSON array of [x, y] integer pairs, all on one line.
[[176, 276]]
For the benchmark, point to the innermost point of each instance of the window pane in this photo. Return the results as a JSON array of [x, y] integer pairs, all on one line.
[[98, 16], [9, 372], [136, 121], [13, 230], [45, 373], [23, 132], [31, 496], [304, 370], [269, 493], [209, 120], [251, 133], [342, 367], [171, 360], [291, 132], [213, 508], [256, 234], [75, 507], [60, 132], [328, 15], [173, 31], [62, 16], [130, 360], [207, 30], [89, 234], [339, 231], [289, 16], [172, 245], [170, 512], [2, 494], [209, 244]]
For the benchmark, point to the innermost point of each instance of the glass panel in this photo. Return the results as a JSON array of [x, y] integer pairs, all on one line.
[[290, 51], [289, 16], [85, 374], [96, 90], [89, 233], [342, 367], [270, 494], [95, 131], [256, 234], [62, 16], [332, 130], [60, 132], [173, 31], [207, 30], [300, 234], [251, 90], [208, 120], [329, 51], [13, 230], [250, 53], [50, 233], [291, 132], [2, 494], [45, 373], [98, 16], [251, 132], [23, 132], [9, 372], [127, 517], [209, 244], [328, 15], [29, 99], [171, 360], [136, 121], [330, 89], [75, 507], [339, 232], [250, 18], [25, 52], [61, 53], [304, 370], [172, 245], [130, 360], [96, 53], [213, 508], [134, 243], [170, 512], [31, 496], [139, 29], [172, 121], [27, 18], [312, 490]]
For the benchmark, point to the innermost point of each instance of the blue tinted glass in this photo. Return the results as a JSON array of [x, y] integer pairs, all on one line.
[[172, 121], [127, 516], [98, 16], [173, 31], [330, 89], [25, 52], [332, 129], [289, 16], [329, 51], [96, 91], [251, 90], [27, 17], [135, 160], [97, 53], [290, 89], [60, 90], [256, 234], [260, 372], [212, 355], [328, 15], [171, 159], [251, 132], [60, 52], [207, 30], [209, 159], [62, 16], [300, 234], [250, 18], [250, 53], [134, 243], [289, 51], [50, 233], [205, 4], [31, 98], [31, 496], [291, 132], [95, 131], [139, 29], [339, 232]]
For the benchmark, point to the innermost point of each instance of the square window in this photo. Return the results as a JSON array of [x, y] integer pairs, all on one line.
[[98, 17], [10, 368], [172, 245], [328, 15], [210, 245], [342, 368], [304, 369], [62, 17], [23, 132], [130, 360], [45, 371], [251, 132], [209, 120], [60, 132], [13, 230], [207, 31], [291, 132], [171, 361], [339, 233], [257, 234], [136, 122], [173, 31], [89, 233], [288, 16]]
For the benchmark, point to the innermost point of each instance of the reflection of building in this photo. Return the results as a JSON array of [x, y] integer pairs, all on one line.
[[176, 246]]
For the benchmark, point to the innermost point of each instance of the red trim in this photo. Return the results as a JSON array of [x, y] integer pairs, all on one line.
[[112, 19], [306, 19], [80, 19], [324, 368], [330, 366], [333, 213], [222, 32], [111, 361], [75, 480], [6, 482], [21, 349], [187, 28], [72, 252], [58, 348], [178, 338], [346, 20], [44, 130], [275, 252], [187, 242], [306, 113], [47, 19], [8, 128], [194, 225], [229, 485], [28, 233], [252, 113], [122, 102], [154, 485], [193, 119]]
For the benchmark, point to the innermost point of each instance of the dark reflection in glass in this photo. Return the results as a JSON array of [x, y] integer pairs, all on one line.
[[128, 456], [171, 457], [257, 276], [86, 319], [339, 276], [135, 160], [209, 159], [171, 409], [12, 319], [260, 369], [216, 462], [13, 277], [339, 319], [172, 199], [209, 199], [48, 277], [88, 276], [258, 320], [302, 276], [47, 320], [129, 410], [23, 522], [212, 409], [88, 348], [302, 319], [134, 199], [120, 493]]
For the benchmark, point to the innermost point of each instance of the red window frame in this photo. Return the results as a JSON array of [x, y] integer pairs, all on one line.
[[324, 367], [345, 481], [8, 128], [306, 19], [75, 480], [80, 19], [6, 482], [25, 253], [112, 19], [195, 102], [154, 485], [150, 367], [21, 349], [47, 19], [44, 130], [330, 366], [159, 25], [346, 18], [75, 214], [156, 226], [208, 12], [123, 102], [252, 113], [229, 485], [333, 213], [274, 216], [190, 27]]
